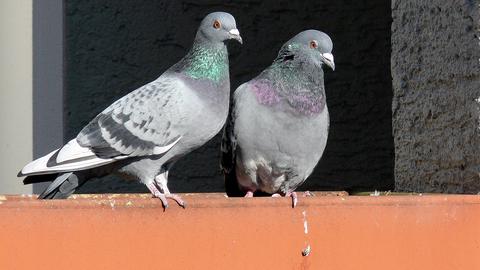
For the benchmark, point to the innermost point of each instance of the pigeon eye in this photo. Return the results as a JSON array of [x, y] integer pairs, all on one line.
[[216, 24], [313, 44]]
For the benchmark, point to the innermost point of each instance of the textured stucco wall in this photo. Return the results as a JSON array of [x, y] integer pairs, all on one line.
[[436, 81], [115, 46]]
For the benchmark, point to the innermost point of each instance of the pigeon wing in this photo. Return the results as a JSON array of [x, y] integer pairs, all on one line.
[[139, 124]]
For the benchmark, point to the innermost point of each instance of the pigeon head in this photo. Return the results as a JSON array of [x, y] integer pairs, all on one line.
[[219, 27], [310, 44]]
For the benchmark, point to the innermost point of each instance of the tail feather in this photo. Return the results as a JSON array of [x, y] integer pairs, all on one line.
[[71, 157], [231, 185], [228, 159], [54, 186], [63, 186], [32, 179]]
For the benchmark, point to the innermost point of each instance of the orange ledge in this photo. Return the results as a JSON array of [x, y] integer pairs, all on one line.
[[215, 232]]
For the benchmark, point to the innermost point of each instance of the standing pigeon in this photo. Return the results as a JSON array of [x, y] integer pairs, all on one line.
[[278, 127], [144, 133]]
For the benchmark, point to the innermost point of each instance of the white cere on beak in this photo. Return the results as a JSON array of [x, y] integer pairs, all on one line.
[[329, 58], [234, 32]]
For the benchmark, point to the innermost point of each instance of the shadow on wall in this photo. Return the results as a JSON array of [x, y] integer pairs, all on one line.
[[114, 47]]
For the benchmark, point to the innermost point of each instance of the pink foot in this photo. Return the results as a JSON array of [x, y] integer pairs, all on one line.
[[177, 198], [294, 198], [289, 194], [163, 197], [249, 194], [308, 194]]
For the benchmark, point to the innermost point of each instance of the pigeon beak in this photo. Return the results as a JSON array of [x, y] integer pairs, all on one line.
[[235, 34], [328, 60]]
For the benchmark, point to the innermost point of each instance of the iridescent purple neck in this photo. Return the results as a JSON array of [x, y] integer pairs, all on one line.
[[265, 92], [289, 97], [306, 103]]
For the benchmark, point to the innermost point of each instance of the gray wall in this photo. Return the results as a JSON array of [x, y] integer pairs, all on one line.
[[112, 47], [15, 93], [436, 81]]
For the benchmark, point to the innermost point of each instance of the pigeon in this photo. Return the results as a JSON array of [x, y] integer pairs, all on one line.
[[278, 125], [141, 135]]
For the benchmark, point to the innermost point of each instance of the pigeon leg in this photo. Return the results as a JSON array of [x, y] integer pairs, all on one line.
[[289, 194], [157, 194], [161, 181]]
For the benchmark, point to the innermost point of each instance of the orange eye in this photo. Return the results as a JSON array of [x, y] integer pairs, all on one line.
[[313, 44], [216, 24]]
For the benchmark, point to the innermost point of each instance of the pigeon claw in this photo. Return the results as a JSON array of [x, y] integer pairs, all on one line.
[[165, 206], [163, 199], [177, 199], [293, 195], [294, 198]]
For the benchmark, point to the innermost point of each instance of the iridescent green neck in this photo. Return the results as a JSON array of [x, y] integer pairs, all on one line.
[[296, 79], [293, 75], [206, 61]]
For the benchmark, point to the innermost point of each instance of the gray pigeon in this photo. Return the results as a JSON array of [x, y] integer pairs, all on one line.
[[141, 135], [278, 126]]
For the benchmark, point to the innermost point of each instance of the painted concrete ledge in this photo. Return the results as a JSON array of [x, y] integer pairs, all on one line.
[[215, 232]]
